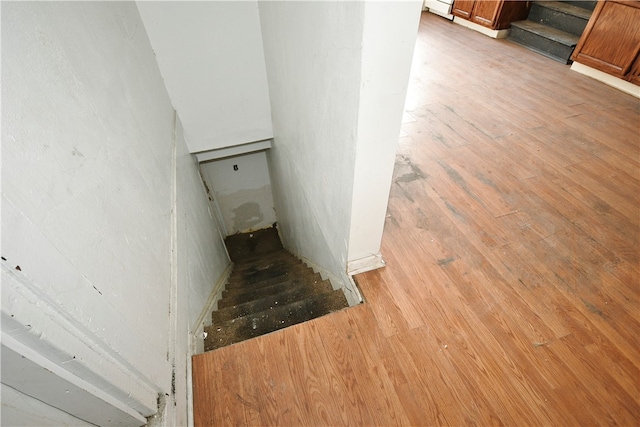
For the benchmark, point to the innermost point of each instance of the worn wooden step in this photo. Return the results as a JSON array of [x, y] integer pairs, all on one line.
[[270, 277], [264, 322], [295, 293], [253, 245], [238, 296], [550, 42], [281, 256], [274, 270], [247, 271]]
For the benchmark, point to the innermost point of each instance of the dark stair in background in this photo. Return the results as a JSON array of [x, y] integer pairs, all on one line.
[[553, 28], [269, 289]]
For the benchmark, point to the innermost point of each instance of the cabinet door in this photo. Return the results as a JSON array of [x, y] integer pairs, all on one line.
[[462, 8], [611, 40], [485, 12]]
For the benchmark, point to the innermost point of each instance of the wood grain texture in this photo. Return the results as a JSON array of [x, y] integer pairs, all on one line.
[[611, 40], [511, 294]]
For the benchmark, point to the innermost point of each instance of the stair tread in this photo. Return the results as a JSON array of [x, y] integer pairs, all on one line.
[[296, 293], [554, 34], [265, 268], [239, 296], [271, 320], [238, 284], [567, 8], [266, 276]]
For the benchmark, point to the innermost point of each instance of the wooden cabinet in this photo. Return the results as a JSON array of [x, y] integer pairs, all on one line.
[[611, 40], [494, 14], [463, 8]]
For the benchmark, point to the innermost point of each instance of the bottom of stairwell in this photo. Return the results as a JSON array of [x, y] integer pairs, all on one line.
[[269, 289]]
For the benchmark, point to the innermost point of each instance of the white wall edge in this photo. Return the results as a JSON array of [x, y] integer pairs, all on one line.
[[496, 34], [362, 265], [79, 398], [58, 338], [204, 319], [220, 153], [608, 79]]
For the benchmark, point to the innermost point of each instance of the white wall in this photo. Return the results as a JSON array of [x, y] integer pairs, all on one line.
[[210, 55], [91, 213], [243, 195], [337, 75], [389, 36], [313, 52]]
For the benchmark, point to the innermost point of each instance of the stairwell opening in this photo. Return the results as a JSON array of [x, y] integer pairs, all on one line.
[[268, 288]]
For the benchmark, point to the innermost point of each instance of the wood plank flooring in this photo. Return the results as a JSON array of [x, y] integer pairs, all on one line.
[[511, 294]]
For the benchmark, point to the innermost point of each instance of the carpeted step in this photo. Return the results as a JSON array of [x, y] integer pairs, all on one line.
[[551, 42], [293, 294], [264, 322]]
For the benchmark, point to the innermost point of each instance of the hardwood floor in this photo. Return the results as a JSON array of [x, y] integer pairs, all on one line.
[[511, 294]]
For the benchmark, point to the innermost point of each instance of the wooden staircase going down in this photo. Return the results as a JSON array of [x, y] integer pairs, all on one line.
[[269, 289]]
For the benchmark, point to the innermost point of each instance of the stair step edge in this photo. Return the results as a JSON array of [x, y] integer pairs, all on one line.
[[241, 297], [257, 325], [566, 8], [240, 284], [541, 52], [545, 31], [283, 298]]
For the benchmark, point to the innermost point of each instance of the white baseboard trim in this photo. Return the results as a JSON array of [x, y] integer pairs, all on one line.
[[362, 265], [496, 34], [197, 340], [608, 79]]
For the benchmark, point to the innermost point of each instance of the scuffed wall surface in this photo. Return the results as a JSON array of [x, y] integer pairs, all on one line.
[[312, 51], [243, 195], [86, 158], [87, 179]]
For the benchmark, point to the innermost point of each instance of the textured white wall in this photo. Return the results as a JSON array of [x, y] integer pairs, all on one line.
[[244, 195], [89, 170], [389, 37], [211, 58], [337, 73], [313, 52]]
